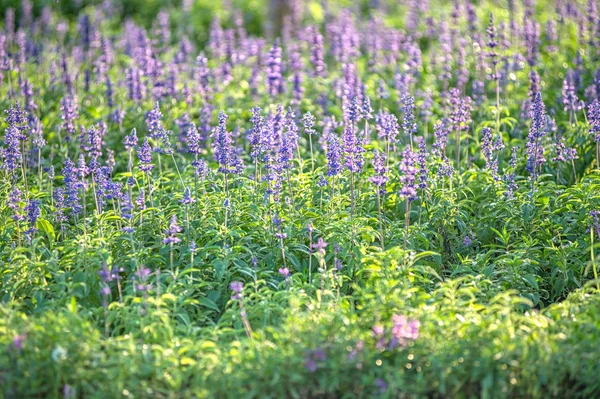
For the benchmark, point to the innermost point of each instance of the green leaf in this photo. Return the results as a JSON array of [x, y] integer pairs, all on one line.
[[209, 304], [47, 228]]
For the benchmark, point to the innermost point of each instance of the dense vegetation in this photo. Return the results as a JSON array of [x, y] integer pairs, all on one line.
[[381, 201]]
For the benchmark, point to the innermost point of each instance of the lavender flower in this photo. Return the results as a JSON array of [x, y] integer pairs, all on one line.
[[33, 213], [223, 150], [353, 150], [379, 178], [131, 140], [14, 203], [403, 330], [172, 231], [72, 186], [334, 155], [274, 81], [145, 155], [237, 287], [68, 107], [488, 147], [408, 121], [320, 246], [594, 119], [422, 163], [187, 197], [535, 150], [408, 173]]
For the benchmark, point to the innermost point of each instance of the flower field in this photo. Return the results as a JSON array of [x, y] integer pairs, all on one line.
[[300, 199]]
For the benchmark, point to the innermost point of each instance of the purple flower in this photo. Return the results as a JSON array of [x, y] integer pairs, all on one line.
[[467, 241], [187, 197], [535, 150], [334, 155], [380, 383], [11, 155], [308, 121], [320, 246], [408, 175], [570, 100], [131, 140], [14, 203], [317, 51], [409, 125], [594, 119], [172, 231], [441, 132], [314, 357], [144, 153], [18, 341], [140, 201], [403, 330], [237, 287], [33, 213], [284, 272], [353, 150], [563, 153], [488, 147], [153, 121], [274, 66], [68, 107], [460, 110], [379, 177], [224, 152], [72, 186], [142, 277], [422, 163]]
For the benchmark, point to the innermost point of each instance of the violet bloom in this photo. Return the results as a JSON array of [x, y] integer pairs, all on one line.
[[489, 147], [562, 152], [237, 287], [569, 95], [284, 272], [140, 201], [422, 163], [32, 209], [408, 175], [467, 241], [441, 132], [317, 52], [142, 276], [172, 231], [131, 140], [312, 359], [68, 107], [409, 125], [535, 149], [274, 66], [145, 155], [14, 203], [509, 178], [403, 331], [11, 155], [153, 120], [224, 152], [308, 121], [460, 110], [18, 341], [334, 155], [594, 119], [72, 186], [353, 150], [379, 178], [187, 197], [319, 246]]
